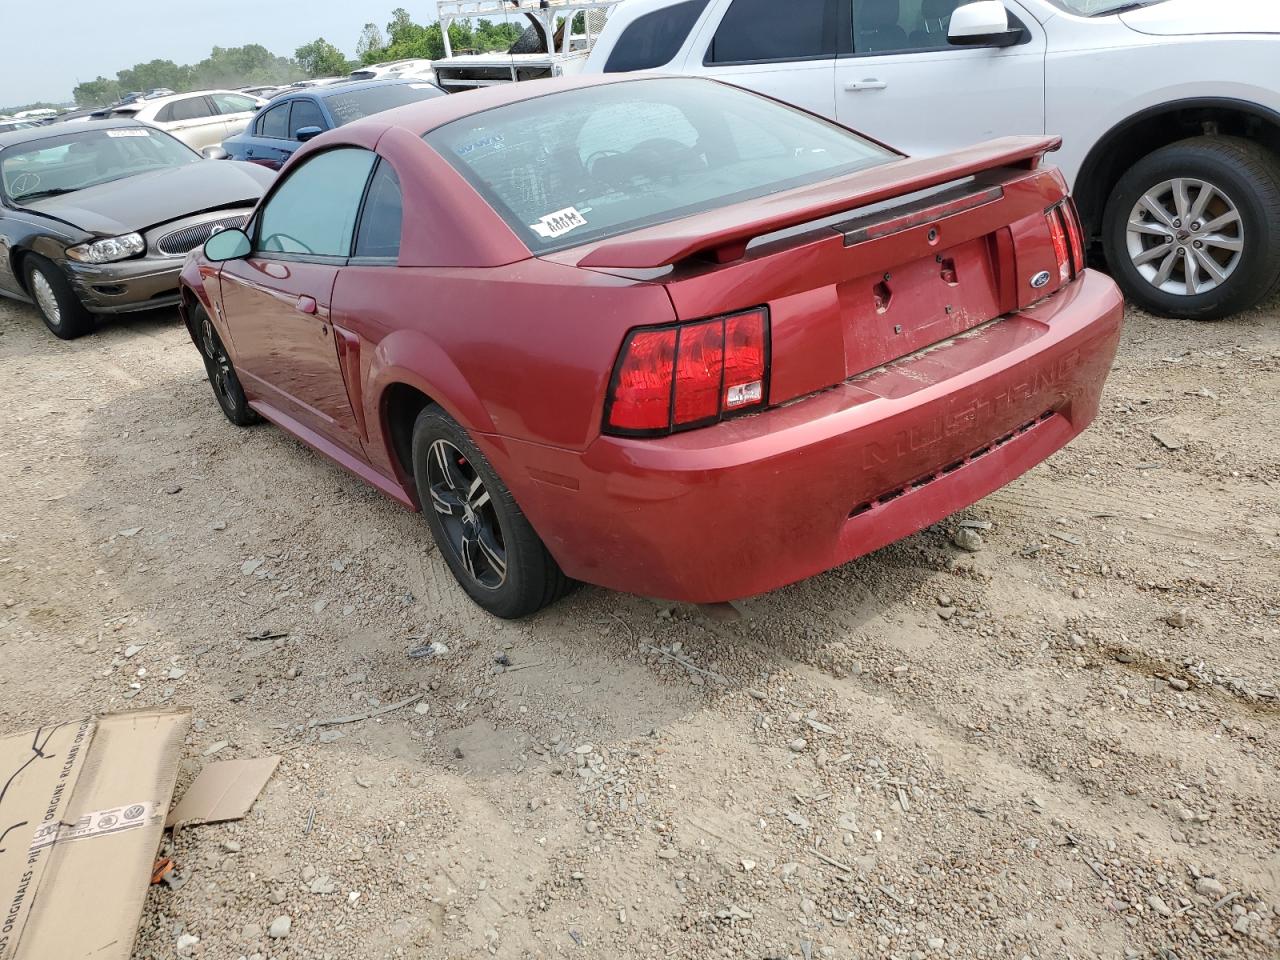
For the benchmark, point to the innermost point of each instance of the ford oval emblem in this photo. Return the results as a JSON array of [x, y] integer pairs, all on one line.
[[1041, 279]]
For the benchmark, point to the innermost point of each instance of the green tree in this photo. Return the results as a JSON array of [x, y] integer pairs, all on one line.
[[96, 93], [156, 73], [370, 45], [242, 66], [320, 58], [400, 21], [489, 36]]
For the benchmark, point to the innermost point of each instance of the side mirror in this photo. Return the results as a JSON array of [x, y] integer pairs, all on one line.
[[214, 152], [303, 134], [984, 23], [229, 244]]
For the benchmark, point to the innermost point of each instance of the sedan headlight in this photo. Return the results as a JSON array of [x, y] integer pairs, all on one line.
[[109, 250]]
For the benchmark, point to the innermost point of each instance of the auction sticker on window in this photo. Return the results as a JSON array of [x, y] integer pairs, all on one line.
[[128, 132], [559, 223]]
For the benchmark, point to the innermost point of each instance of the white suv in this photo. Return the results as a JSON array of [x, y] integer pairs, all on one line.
[[1169, 110], [201, 119]]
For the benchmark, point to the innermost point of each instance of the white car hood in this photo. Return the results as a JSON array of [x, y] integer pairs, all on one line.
[[1180, 18]]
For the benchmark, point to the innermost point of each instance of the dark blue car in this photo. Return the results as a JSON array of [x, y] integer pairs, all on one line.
[[292, 119]]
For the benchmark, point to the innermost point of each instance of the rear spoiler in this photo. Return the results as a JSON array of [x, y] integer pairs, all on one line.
[[723, 235]]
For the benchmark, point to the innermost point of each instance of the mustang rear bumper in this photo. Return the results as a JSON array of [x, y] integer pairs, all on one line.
[[751, 505], [126, 286]]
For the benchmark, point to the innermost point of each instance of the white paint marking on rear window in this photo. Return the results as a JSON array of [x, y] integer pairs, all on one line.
[[129, 132], [559, 223]]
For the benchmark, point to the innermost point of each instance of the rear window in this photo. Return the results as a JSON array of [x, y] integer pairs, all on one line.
[[352, 105], [655, 38], [593, 163]]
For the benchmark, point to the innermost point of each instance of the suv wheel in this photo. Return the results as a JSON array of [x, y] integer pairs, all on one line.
[[1193, 229]]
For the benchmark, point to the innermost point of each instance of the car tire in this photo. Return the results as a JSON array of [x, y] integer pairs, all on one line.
[[1237, 233], [60, 308], [222, 374], [490, 546]]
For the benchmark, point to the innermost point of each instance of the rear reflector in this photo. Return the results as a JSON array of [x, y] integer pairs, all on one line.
[[676, 378], [1067, 238]]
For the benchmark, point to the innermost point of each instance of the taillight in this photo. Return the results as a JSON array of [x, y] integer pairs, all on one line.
[[675, 378], [1068, 239]]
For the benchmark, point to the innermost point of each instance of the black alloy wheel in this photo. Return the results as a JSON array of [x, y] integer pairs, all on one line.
[[467, 515], [222, 374]]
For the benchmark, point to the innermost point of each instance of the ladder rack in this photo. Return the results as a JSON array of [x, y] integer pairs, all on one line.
[[544, 12]]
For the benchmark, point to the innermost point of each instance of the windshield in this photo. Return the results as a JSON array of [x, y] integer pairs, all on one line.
[[352, 105], [593, 163], [1100, 8], [75, 161]]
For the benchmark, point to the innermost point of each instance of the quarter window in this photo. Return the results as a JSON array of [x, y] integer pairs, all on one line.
[[313, 213], [765, 30], [652, 40], [233, 103], [275, 123], [383, 215]]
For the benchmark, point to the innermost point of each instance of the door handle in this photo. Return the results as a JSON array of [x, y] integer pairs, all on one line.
[[869, 83], [306, 305]]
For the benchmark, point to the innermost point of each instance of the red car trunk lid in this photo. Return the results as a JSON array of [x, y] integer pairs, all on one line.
[[862, 270]]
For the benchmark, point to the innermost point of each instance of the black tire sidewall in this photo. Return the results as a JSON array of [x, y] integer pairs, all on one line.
[[236, 407], [76, 320], [1253, 277], [526, 557]]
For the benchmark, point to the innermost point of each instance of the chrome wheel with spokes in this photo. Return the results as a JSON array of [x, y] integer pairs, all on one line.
[[466, 510], [46, 299], [1186, 236], [1192, 229], [59, 304]]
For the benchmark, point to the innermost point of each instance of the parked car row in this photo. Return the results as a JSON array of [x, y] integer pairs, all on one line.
[[671, 335], [97, 217], [293, 118]]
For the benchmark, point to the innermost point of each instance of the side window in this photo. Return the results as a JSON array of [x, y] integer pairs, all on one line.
[[306, 113], [890, 26], [652, 40], [233, 103], [274, 123], [192, 108], [382, 217], [763, 30], [313, 212]]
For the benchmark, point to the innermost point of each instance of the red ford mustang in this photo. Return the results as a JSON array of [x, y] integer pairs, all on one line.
[[657, 334]]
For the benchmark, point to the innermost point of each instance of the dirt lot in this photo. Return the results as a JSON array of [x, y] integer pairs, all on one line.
[[1063, 745]]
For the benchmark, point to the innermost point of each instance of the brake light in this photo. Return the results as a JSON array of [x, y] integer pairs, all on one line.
[[1075, 234], [1067, 237], [641, 396], [675, 378]]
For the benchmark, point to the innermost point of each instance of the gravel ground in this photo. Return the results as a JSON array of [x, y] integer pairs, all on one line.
[[1064, 744]]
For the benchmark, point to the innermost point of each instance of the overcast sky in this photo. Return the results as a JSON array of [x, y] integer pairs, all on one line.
[[47, 48]]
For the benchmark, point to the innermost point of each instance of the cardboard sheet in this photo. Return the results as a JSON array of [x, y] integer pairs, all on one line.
[[223, 791], [82, 810]]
